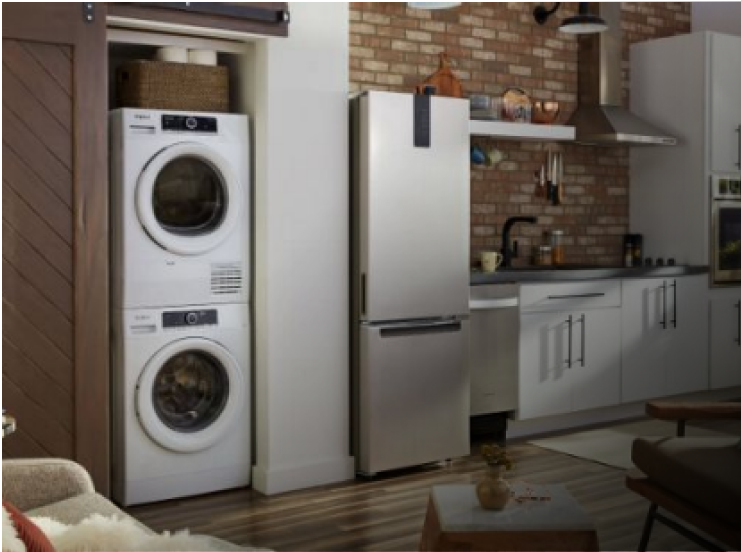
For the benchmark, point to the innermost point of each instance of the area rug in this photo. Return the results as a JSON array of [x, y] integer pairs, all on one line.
[[611, 446]]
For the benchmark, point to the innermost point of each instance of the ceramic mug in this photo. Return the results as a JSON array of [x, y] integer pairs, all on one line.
[[490, 261]]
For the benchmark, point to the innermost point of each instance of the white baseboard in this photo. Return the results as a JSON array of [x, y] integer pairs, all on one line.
[[271, 481], [520, 429]]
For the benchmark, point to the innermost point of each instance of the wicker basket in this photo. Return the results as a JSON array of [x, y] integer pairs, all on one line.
[[162, 85]]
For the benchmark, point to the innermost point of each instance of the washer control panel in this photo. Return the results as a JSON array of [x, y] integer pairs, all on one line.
[[190, 318], [189, 123]]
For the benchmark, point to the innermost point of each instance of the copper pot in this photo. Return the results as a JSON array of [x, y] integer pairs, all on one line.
[[545, 113]]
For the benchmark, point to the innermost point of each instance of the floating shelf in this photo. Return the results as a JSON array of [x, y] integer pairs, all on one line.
[[522, 131]]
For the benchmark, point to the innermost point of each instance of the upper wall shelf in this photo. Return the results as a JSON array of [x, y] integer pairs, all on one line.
[[522, 131]]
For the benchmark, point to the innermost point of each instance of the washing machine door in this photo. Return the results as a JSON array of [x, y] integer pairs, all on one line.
[[188, 198], [190, 395]]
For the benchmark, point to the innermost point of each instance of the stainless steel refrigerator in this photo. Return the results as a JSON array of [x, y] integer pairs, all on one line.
[[410, 277]]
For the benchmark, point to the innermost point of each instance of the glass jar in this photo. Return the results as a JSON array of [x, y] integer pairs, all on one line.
[[543, 255], [558, 254]]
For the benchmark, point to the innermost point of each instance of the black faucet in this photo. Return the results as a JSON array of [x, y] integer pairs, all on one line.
[[507, 252]]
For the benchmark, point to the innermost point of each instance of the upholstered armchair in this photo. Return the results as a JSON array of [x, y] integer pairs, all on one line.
[[697, 479]]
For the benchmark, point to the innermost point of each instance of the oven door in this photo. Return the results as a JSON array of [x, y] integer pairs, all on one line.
[[726, 242]]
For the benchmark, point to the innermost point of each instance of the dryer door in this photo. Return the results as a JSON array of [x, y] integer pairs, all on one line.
[[190, 395], [188, 198]]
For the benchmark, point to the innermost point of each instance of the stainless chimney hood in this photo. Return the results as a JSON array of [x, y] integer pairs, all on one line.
[[599, 118]]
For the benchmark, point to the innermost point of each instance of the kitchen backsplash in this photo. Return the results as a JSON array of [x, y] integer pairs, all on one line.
[[495, 46]]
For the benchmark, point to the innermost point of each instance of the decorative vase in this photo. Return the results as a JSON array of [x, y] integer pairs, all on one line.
[[493, 490]]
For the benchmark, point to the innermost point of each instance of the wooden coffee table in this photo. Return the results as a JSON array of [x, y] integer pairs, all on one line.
[[550, 520]]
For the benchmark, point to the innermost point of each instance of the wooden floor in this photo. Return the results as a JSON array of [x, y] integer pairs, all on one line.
[[387, 513]]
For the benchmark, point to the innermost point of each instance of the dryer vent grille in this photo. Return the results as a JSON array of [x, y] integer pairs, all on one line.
[[226, 279]]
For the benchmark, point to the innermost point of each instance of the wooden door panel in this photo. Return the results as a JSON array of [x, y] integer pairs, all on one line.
[[35, 269], [48, 433], [54, 60], [38, 82], [34, 114], [39, 387], [29, 224], [55, 233], [50, 321], [29, 149], [34, 192]]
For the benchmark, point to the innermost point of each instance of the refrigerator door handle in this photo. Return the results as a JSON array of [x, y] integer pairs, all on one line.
[[420, 328]]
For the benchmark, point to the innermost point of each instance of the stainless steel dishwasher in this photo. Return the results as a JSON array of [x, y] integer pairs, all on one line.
[[494, 342]]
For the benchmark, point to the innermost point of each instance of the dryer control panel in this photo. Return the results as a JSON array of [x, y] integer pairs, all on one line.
[[188, 123], [178, 319]]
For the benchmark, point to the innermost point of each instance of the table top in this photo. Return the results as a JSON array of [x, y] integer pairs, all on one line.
[[539, 508]]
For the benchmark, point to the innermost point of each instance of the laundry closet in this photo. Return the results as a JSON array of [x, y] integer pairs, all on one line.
[[63, 234]]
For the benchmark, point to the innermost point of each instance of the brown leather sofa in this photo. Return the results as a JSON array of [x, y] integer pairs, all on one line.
[[697, 479]]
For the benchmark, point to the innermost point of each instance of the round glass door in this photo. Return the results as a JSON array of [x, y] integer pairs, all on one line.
[[189, 395], [188, 199]]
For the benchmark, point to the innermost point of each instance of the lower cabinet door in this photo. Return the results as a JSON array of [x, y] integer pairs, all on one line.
[[544, 384], [595, 369]]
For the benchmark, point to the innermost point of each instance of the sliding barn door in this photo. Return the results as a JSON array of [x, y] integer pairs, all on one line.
[[55, 237]]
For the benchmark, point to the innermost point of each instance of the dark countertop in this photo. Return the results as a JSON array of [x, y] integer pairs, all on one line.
[[570, 273]]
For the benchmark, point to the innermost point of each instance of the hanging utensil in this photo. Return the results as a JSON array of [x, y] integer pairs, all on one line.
[[549, 175], [561, 190], [554, 179]]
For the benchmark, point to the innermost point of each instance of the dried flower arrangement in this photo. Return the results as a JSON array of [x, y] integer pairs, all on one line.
[[494, 455]]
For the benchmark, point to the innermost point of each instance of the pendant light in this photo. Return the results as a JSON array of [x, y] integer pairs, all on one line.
[[582, 23]]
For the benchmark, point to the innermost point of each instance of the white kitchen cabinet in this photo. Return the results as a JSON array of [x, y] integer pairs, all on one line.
[[725, 338], [725, 103], [690, 87], [569, 347], [664, 337]]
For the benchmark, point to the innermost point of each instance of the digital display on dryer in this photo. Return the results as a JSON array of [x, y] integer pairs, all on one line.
[[190, 318], [188, 123]]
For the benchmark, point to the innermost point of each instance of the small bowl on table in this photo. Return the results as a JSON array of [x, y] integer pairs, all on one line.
[[545, 112]]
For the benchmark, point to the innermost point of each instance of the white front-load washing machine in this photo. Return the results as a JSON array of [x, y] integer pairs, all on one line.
[[181, 402], [179, 208]]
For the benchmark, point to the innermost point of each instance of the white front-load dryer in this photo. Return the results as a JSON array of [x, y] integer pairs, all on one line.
[[181, 402], [179, 208]]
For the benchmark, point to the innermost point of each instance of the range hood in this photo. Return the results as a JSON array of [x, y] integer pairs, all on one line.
[[600, 119]]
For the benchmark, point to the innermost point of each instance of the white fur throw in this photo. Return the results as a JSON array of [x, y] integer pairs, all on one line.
[[98, 533]]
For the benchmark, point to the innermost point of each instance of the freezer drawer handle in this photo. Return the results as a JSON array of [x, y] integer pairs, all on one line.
[[576, 296], [491, 304], [421, 329], [738, 339]]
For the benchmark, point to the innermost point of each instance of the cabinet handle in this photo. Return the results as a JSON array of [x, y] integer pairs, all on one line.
[[576, 296], [738, 131], [674, 287], [583, 321], [738, 339], [570, 322], [663, 293]]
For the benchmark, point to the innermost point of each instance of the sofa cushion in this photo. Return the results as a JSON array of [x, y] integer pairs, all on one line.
[[28, 532], [705, 471]]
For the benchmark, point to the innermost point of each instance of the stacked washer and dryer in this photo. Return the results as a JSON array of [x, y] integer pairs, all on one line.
[[181, 311]]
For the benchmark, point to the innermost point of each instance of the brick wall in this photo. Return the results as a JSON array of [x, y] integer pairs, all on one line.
[[495, 46]]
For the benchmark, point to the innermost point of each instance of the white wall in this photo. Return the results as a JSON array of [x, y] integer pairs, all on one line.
[[723, 17], [301, 252]]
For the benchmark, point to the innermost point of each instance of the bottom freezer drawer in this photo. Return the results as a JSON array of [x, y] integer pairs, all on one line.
[[413, 395]]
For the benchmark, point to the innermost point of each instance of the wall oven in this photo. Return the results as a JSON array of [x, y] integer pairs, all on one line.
[[726, 229]]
